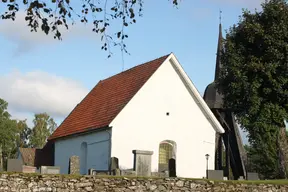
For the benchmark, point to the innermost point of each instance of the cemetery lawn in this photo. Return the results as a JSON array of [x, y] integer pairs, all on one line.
[[258, 182]]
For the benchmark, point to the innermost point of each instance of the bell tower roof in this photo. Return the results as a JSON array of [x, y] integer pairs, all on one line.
[[211, 96]]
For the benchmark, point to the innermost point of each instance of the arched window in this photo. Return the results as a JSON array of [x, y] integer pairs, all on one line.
[[167, 150], [83, 159]]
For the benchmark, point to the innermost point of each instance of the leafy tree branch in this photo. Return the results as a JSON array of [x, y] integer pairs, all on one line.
[[53, 16]]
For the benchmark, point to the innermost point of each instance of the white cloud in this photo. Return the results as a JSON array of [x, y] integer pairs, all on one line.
[[18, 32], [36, 92], [22, 116]]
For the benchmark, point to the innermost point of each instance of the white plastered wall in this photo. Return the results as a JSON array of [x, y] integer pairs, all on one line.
[[144, 123]]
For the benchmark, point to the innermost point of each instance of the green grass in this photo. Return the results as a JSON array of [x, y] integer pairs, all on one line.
[[258, 182]]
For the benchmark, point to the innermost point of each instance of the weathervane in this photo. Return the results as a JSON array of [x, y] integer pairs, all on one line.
[[220, 15]]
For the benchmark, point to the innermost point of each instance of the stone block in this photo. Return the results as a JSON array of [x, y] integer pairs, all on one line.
[[160, 174], [102, 173], [114, 163], [14, 165], [50, 170], [74, 165], [128, 173], [29, 169], [92, 172], [172, 167], [115, 172], [216, 174], [252, 176], [142, 162], [241, 178]]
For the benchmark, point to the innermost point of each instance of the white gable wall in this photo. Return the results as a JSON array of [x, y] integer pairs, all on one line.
[[143, 124]]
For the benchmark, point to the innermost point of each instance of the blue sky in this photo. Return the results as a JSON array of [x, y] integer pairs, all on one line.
[[41, 74]]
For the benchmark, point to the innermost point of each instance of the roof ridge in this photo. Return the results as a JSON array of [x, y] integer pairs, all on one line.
[[136, 66]]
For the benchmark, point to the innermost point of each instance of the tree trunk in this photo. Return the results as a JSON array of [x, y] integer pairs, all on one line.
[[1, 159], [282, 145]]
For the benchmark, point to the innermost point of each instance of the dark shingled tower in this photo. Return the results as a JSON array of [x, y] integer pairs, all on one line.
[[234, 150]]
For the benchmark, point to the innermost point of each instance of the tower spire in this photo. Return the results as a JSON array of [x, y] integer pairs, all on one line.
[[219, 48]]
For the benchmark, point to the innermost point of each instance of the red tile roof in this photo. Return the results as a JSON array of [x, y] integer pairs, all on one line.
[[28, 156], [104, 102]]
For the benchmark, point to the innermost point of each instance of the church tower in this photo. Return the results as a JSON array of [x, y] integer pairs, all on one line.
[[234, 150]]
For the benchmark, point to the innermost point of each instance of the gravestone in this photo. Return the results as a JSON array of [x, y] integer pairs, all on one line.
[[102, 172], [14, 165], [142, 162], [128, 173], [114, 163], [74, 165], [252, 176], [114, 166], [92, 172], [241, 178], [50, 170], [172, 167], [117, 172], [160, 174], [216, 175], [29, 169]]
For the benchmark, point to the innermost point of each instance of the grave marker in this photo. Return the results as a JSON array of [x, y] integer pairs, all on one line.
[[172, 167], [29, 169], [252, 176], [50, 170], [142, 162], [74, 165], [216, 174], [14, 165], [114, 163]]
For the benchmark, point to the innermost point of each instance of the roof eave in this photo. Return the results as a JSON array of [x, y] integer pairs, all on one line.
[[89, 130], [209, 115]]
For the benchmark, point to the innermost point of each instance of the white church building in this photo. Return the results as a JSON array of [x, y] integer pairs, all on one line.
[[154, 107]]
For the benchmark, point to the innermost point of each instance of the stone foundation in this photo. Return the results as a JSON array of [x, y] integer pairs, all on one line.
[[70, 183]]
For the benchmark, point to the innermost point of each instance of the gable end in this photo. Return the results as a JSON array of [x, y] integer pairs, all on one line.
[[195, 94]]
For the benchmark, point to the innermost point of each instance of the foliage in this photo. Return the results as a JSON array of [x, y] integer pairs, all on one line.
[[16, 133], [23, 135], [8, 131], [254, 81], [253, 160], [51, 16], [44, 125]]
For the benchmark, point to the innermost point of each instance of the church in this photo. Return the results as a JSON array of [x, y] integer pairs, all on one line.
[[154, 107]]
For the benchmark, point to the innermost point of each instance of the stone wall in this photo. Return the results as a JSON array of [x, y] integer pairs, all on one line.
[[70, 183]]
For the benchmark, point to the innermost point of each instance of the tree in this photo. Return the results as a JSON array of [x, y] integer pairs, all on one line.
[[252, 160], [254, 82], [44, 125], [23, 135], [8, 131], [51, 16]]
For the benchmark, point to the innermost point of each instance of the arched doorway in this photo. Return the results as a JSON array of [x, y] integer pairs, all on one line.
[[83, 159], [167, 151]]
